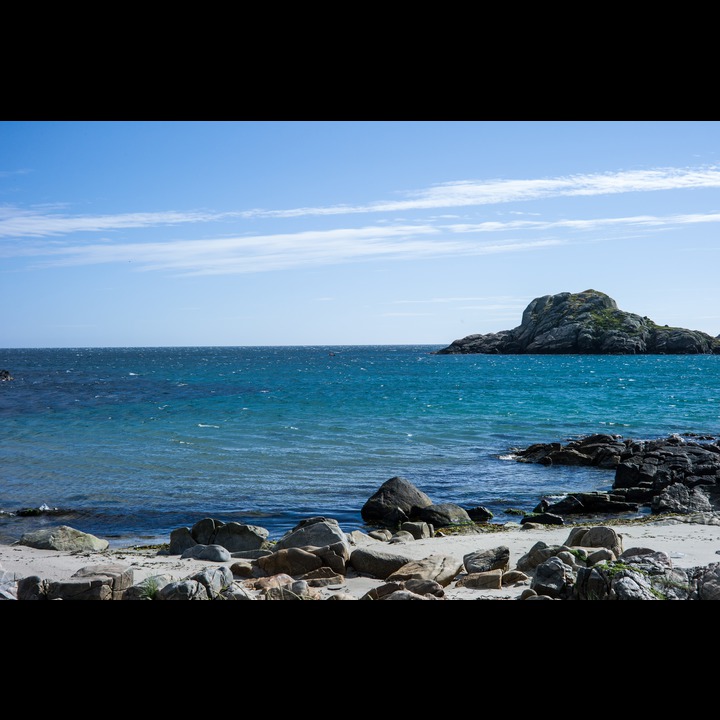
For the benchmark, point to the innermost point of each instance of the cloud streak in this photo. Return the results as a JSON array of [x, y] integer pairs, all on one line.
[[262, 253], [465, 193], [277, 252], [46, 232], [27, 223]]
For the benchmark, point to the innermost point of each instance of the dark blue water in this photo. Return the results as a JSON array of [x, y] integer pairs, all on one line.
[[139, 441]]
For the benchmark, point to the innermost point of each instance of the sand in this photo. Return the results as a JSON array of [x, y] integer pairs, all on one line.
[[686, 544]]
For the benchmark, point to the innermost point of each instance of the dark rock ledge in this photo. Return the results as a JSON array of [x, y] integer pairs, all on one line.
[[678, 474]]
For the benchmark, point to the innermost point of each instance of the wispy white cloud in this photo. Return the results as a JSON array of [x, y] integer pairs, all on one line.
[[45, 231], [276, 252], [17, 223], [30, 223], [261, 253], [592, 224], [470, 192]]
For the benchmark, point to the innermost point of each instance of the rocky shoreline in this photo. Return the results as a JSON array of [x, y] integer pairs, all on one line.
[[406, 557], [318, 561]]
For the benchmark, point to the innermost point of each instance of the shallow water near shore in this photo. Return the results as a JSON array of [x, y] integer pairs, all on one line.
[[131, 443]]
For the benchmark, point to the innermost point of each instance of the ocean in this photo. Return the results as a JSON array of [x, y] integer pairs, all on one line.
[[131, 443]]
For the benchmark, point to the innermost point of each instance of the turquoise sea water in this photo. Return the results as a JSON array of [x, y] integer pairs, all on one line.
[[139, 441]]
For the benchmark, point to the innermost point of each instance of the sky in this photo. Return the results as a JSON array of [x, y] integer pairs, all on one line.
[[226, 233]]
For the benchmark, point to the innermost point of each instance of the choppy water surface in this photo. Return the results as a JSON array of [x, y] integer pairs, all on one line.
[[140, 441]]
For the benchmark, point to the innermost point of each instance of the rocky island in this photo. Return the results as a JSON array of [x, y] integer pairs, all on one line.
[[588, 323]]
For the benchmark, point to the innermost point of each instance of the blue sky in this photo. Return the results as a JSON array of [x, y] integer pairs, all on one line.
[[156, 233]]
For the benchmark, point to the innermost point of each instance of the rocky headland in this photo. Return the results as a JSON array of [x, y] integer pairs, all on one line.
[[589, 323]]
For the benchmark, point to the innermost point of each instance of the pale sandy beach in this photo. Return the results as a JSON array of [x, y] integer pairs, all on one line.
[[686, 544]]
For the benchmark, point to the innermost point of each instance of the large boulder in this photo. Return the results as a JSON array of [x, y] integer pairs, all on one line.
[[442, 569], [485, 560], [313, 532], [180, 540], [393, 503], [599, 536], [103, 581], [233, 536], [214, 553], [442, 515], [291, 561], [182, 590], [375, 562], [678, 498], [215, 580], [553, 578], [63, 538], [237, 537]]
